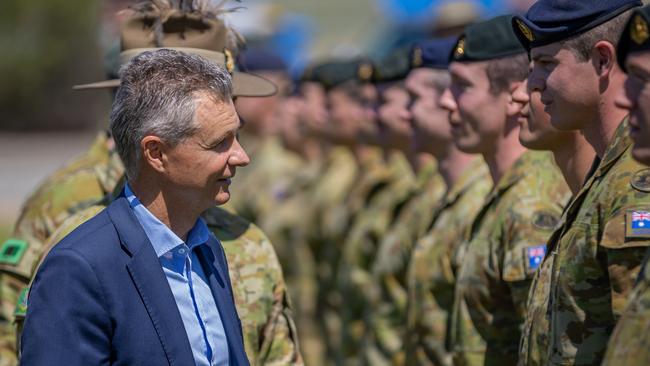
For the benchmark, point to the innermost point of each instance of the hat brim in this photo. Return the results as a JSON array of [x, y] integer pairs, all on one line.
[[243, 85]]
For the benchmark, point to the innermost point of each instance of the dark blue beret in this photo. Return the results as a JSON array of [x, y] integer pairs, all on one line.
[[487, 40], [550, 21], [636, 36], [433, 54], [259, 59]]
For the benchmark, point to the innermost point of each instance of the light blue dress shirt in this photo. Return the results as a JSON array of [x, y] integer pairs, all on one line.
[[188, 283]]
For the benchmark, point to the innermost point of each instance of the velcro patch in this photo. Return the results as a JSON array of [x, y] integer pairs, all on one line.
[[534, 257], [12, 251], [21, 305], [638, 224]]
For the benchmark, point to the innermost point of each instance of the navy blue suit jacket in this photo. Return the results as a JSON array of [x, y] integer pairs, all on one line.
[[101, 298]]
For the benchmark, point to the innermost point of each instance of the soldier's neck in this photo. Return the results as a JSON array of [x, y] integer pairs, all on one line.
[[600, 132], [574, 158], [503, 155], [453, 164]]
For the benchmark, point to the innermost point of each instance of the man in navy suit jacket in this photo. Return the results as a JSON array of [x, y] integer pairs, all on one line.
[[143, 282]]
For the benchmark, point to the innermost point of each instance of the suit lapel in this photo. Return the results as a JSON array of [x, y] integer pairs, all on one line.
[[151, 283], [215, 267]]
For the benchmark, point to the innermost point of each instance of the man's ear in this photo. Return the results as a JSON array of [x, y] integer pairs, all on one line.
[[603, 58], [513, 107], [153, 152]]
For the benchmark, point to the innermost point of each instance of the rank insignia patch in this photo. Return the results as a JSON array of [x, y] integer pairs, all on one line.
[[525, 30], [638, 224], [12, 251], [535, 256]]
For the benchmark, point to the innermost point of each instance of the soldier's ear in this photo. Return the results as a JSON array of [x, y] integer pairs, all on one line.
[[603, 57], [153, 154]]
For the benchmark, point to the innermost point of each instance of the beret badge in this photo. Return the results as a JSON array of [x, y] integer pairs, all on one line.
[[416, 60], [365, 71], [460, 49], [230, 61], [639, 30], [525, 30]]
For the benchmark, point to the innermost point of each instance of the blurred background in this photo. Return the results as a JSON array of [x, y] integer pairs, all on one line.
[[50, 45]]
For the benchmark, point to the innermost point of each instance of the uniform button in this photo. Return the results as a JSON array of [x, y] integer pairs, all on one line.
[[181, 250]]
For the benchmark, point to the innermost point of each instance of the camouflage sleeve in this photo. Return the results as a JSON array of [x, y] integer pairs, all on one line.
[[260, 293], [624, 244], [530, 225], [280, 343]]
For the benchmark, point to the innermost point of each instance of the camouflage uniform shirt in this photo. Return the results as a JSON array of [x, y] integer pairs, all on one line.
[[505, 245], [591, 265], [432, 270]]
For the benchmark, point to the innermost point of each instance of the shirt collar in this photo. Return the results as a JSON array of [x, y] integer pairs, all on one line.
[[161, 236]]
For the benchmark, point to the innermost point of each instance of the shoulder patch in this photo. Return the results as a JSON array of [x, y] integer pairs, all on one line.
[[534, 257], [12, 251], [638, 224], [544, 220], [641, 180], [21, 305]]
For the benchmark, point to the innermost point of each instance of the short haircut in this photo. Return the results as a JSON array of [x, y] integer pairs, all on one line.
[[158, 95], [502, 72], [610, 31]]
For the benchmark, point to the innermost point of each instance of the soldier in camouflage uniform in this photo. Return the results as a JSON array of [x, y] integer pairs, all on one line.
[[429, 259], [269, 331], [595, 253], [506, 240], [629, 343]]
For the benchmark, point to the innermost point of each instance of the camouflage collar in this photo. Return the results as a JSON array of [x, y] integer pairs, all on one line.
[[427, 173], [619, 144], [109, 167], [476, 171], [518, 170]]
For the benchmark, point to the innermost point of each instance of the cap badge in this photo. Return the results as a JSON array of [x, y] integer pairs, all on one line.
[[365, 71], [460, 49], [639, 30], [230, 60], [416, 60], [525, 30]]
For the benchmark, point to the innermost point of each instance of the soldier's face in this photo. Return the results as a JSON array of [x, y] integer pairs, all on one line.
[[198, 170], [477, 115], [635, 98], [313, 112], [394, 118], [432, 132], [536, 131], [568, 87], [352, 116]]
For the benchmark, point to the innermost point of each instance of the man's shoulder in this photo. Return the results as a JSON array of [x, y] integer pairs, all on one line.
[[91, 236]]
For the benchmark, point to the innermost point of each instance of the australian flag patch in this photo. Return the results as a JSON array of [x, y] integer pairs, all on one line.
[[535, 256], [638, 224]]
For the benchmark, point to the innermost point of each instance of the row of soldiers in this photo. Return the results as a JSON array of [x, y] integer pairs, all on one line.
[[473, 200]]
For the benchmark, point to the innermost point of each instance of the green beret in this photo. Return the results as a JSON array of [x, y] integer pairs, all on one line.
[[487, 40], [335, 73], [636, 36]]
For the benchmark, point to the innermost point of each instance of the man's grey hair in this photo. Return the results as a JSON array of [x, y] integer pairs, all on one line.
[[157, 96]]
